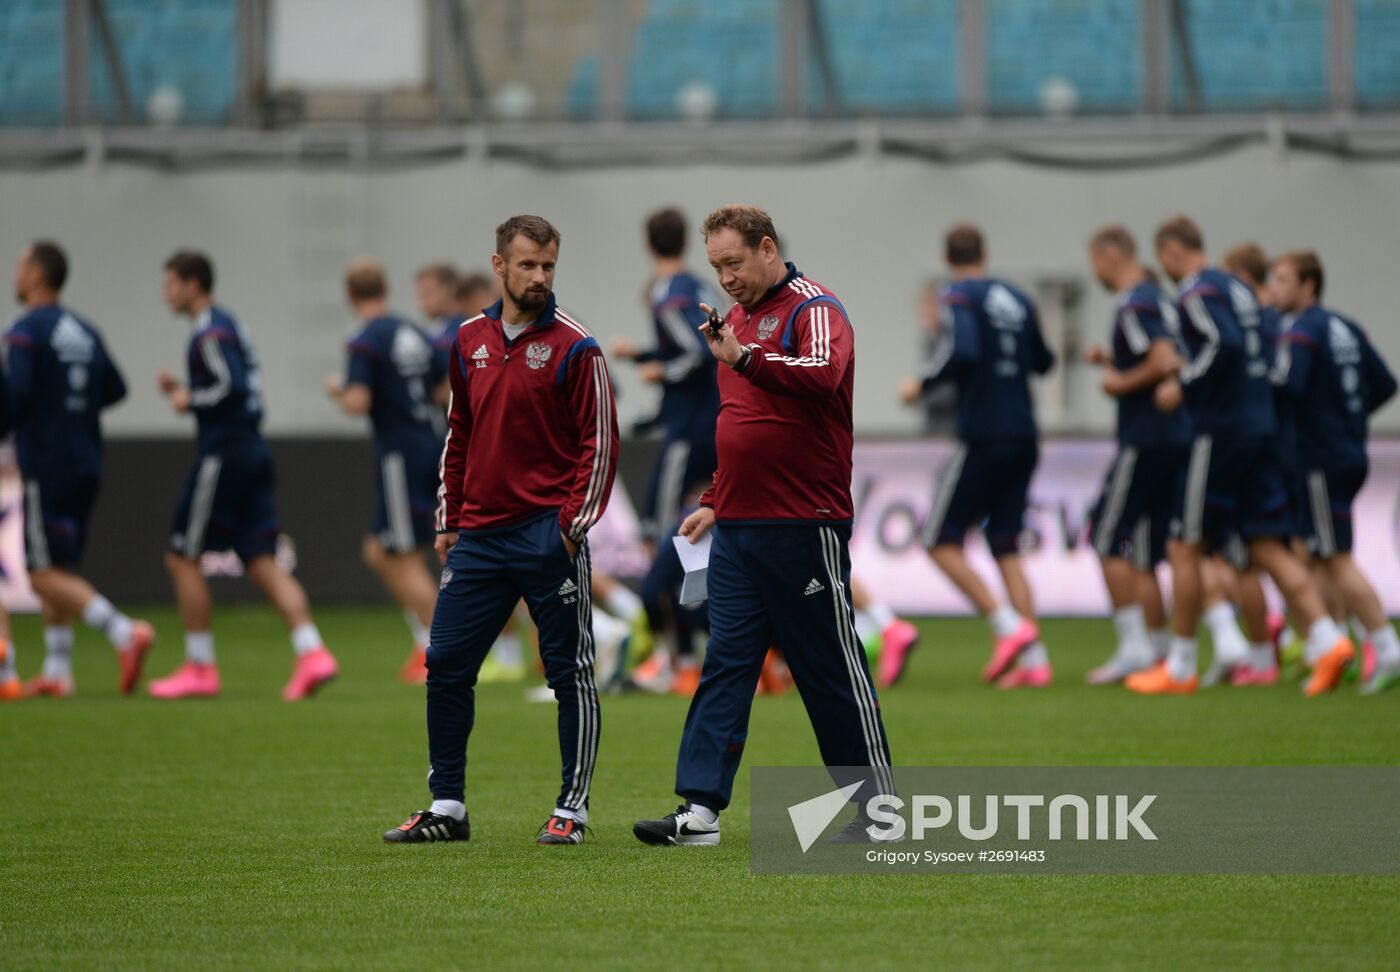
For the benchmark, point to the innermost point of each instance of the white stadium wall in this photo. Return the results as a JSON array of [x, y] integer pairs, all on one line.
[[868, 227]]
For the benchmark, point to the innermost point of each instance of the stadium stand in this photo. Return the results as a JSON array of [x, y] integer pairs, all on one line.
[[1093, 45], [1377, 54], [31, 62], [190, 47], [895, 58]]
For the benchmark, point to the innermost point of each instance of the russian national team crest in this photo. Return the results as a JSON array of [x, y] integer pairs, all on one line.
[[766, 327], [537, 354]]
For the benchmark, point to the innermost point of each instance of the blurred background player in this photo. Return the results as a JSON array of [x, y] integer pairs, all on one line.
[[228, 501], [1242, 582], [989, 345], [436, 288], [10, 688], [61, 378], [1337, 378], [681, 364], [392, 375], [1233, 480], [1133, 515], [447, 299], [475, 292], [882, 632]]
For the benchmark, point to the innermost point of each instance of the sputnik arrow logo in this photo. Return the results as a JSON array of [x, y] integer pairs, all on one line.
[[811, 817]]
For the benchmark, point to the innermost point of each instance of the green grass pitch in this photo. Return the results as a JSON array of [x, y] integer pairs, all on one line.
[[244, 833]]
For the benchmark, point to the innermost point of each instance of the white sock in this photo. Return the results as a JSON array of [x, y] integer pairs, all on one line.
[[305, 638], [1161, 640], [7, 660], [455, 809], [199, 647], [101, 615], [866, 628], [605, 627], [507, 649], [1356, 629], [1005, 621], [1034, 657], [1323, 634], [1131, 627], [1181, 659], [418, 628], [1261, 656], [579, 816], [1387, 644], [881, 614], [623, 603], [58, 651], [1230, 645], [704, 813]]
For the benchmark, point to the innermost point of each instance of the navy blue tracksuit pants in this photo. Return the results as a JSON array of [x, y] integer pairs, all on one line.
[[484, 578], [789, 587]]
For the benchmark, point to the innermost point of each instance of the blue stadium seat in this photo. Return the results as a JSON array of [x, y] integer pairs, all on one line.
[[188, 45], [1093, 44], [892, 58], [31, 62], [1254, 54], [1378, 54]]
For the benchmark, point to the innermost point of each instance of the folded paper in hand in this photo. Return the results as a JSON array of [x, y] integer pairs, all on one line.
[[695, 561]]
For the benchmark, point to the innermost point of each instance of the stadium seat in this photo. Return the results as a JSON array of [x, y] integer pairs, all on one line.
[[190, 46], [1095, 45], [1252, 55], [1378, 54], [31, 62]]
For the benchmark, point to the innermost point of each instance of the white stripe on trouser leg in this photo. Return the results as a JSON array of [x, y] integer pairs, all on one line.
[[854, 657], [34, 524], [405, 507], [1323, 532], [1236, 553], [1197, 475], [397, 514], [670, 486], [943, 495], [1115, 498], [202, 503], [1142, 543], [585, 691]]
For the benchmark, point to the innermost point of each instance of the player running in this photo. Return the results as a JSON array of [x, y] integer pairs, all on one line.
[[228, 501], [989, 343], [1132, 518], [781, 511], [61, 378], [1333, 372], [1241, 582], [682, 365], [392, 376], [527, 470], [1233, 482]]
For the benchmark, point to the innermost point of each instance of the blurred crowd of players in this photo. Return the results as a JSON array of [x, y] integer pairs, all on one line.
[[1242, 424], [1243, 414]]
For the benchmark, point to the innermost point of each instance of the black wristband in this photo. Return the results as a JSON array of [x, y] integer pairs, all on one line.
[[745, 356]]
